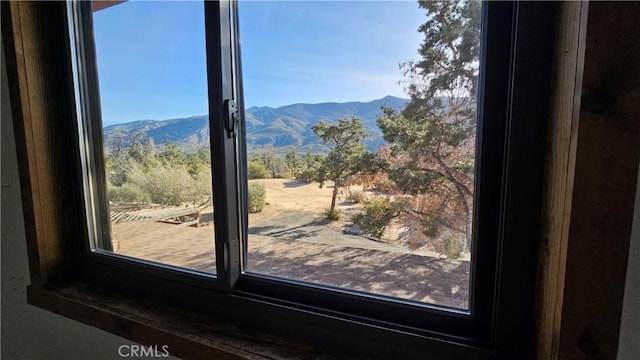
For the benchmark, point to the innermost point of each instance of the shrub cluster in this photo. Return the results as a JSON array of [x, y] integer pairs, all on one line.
[[170, 177], [257, 197], [451, 247], [256, 170], [357, 197], [334, 214], [128, 193], [375, 216]]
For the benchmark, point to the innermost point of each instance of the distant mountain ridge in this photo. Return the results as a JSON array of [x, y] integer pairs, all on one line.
[[284, 127]]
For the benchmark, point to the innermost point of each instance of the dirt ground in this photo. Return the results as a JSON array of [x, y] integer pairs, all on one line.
[[295, 210], [304, 199], [292, 239]]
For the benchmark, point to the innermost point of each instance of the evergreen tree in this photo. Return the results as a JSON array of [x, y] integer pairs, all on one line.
[[172, 155], [275, 165], [347, 148], [294, 161], [432, 140]]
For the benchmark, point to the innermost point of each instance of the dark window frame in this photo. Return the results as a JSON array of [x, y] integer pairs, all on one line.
[[515, 267], [492, 104]]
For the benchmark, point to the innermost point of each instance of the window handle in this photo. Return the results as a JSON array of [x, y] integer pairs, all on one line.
[[231, 117]]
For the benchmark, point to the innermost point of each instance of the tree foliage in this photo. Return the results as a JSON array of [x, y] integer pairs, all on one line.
[[432, 140], [172, 155], [450, 51], [275, 165], [199, 161], [377, 213], [311, 169], [294, 161]]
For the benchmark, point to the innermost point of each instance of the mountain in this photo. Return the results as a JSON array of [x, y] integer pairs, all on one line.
[[283, 127]]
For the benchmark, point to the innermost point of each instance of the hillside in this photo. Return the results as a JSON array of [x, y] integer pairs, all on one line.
[[283, 127]]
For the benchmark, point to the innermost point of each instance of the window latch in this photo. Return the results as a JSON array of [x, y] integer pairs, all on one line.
[[231, 120]]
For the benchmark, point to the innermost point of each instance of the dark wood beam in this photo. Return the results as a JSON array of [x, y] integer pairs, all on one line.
[[606, 171], [559, 173], [98, 5]]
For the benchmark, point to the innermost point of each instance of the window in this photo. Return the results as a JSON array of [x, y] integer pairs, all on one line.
[[148, 184], [370, 189], [235, 288]]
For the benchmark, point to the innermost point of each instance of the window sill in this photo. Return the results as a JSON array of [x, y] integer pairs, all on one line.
[[188, 335]]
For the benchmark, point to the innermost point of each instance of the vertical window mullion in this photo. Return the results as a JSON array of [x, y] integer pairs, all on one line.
[[223, 142], [90, 123], [241, 143]]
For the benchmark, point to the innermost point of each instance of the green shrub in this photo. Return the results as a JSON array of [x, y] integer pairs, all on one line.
[[451, 247], [128, 193], [257, 196], [171, 185], [256, 170], [375, 216], [334, 214], [357, 197], [306, 175], [279, 169]]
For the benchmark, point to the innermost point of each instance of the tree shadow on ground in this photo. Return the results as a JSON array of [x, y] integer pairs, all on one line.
[[320, 221], [295, 183], [281, 231], [406, 276], [298, 234], [411, 277], [265, 230], [206, 217]]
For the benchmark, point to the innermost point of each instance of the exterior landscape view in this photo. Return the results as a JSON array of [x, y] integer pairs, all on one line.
[[371, 195]]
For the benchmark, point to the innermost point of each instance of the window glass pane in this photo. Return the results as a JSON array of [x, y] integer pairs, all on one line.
[[361, 129], [151, 63]]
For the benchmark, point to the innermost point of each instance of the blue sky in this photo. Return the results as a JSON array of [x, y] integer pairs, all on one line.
[[151, 54]]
